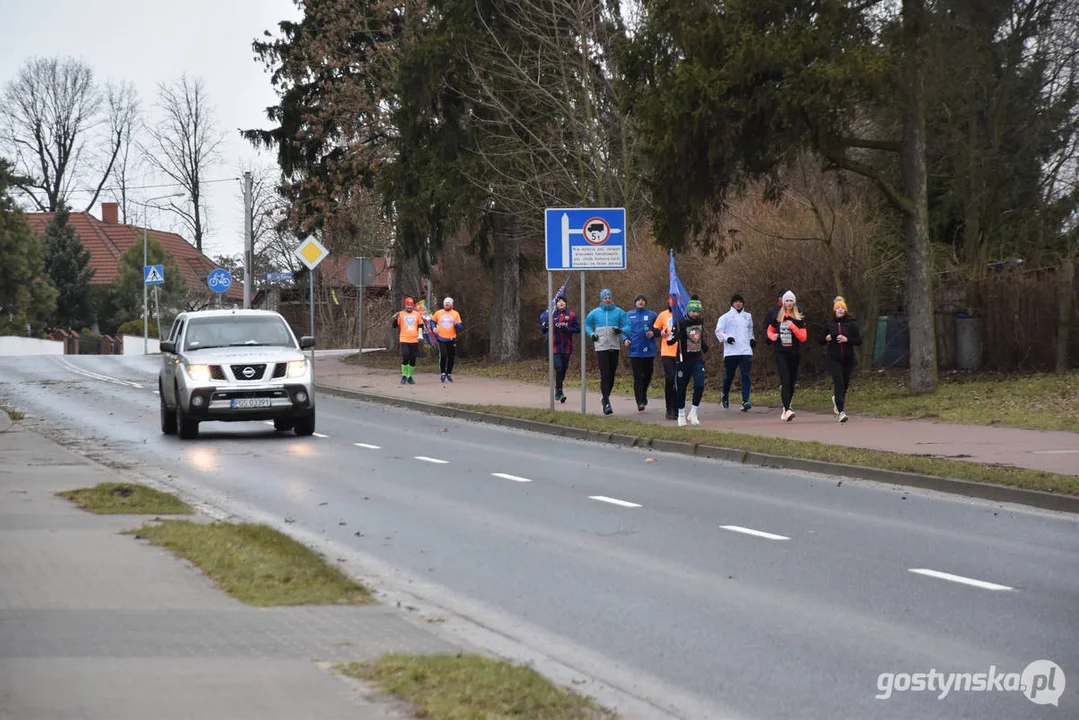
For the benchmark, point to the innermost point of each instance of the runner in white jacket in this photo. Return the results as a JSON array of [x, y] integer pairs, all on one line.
[[734, 330]]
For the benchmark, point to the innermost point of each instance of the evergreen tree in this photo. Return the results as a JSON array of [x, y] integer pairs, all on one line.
[[69, 269], [129, 281], [27, 299]]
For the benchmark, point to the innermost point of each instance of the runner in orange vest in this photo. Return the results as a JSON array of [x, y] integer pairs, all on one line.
[[409, 321], [447, 323], [669, 354]]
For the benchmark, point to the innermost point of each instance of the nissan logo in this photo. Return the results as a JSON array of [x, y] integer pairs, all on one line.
[[249, 372]]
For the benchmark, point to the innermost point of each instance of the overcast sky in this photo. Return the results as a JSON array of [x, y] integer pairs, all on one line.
[[147, 42]]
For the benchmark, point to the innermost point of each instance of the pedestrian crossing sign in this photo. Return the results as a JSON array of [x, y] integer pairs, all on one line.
[[154, 274]]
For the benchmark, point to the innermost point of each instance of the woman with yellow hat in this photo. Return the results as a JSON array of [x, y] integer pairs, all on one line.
[[841, 334]]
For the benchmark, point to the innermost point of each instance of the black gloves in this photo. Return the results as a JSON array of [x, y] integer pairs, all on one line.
[[730, 340], [617, 330], [595, 337], [752, 343]]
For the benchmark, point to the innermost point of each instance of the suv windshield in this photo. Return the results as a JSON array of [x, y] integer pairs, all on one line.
[[231, 330]]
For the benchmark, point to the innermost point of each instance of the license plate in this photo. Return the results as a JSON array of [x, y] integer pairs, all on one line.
[[246, 403]]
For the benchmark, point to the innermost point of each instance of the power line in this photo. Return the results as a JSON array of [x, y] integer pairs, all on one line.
[[156, 187]]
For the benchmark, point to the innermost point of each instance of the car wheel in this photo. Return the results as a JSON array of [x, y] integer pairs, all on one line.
[[168, 417], [282, 424], [304, 425], [186, 427]]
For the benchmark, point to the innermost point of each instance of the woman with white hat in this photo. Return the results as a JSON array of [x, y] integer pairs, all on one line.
[[787, 332]]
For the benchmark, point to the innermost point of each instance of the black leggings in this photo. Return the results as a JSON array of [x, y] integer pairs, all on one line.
[[447, 351], [561, 365], [670, 388], [787, 364], [643, 367], [841, 370], [608, 366], [409, 351]]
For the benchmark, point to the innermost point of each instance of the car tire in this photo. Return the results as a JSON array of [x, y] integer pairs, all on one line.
[[282, 424], [186, 426], [304, 425], [168, 417]]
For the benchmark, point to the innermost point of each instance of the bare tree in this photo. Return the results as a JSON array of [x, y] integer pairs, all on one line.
[[125, 124], [51, 113], [183, 145]]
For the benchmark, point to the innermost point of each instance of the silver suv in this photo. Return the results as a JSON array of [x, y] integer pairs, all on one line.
[[235, 365]]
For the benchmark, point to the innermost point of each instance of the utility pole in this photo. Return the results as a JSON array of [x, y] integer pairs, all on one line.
[[249, 250]]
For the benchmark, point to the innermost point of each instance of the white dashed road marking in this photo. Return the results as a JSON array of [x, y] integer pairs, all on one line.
[[613, 501], [754, 533], [960, 579], [514, 478], [320, 435], [368, 446], [424, 458]]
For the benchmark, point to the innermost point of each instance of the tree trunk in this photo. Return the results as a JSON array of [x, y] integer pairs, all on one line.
[[923, 345], [506, 300], [1065, 299]]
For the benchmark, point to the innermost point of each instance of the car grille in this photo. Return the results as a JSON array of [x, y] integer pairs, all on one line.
[[216, 372], [280, 370], [249, 372]]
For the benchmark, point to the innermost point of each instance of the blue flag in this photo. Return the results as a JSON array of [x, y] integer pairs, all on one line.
[[678, 290], [550, 308]]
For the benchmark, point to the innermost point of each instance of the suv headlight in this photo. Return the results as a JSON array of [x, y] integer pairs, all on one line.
[[198, 373], [296, 368]]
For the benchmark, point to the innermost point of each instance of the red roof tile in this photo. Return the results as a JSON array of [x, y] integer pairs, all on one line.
[[107, 242]]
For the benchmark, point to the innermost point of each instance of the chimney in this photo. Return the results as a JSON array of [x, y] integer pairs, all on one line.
[[110, 213]]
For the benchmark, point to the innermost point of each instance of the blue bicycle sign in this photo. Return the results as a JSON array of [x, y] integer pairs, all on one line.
[[220, 280]]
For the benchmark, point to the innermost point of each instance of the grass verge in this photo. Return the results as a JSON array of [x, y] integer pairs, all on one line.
[[1043, 401], [111, 498], [470, 687], [256, 564], [958, 469]]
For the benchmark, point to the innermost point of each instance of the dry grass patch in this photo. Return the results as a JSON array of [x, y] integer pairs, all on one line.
[[111, 498], [470, 687], [257, 564]]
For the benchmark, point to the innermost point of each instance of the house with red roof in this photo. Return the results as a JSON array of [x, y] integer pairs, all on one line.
[[107, 239]]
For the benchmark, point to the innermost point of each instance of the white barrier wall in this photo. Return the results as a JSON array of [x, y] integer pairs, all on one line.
[[133, 345], [14, 345]]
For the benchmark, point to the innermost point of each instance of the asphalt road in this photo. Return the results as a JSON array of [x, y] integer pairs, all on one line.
[[720, 590]]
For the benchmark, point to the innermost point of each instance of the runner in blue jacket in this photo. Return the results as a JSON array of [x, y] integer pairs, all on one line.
[[605, 325], [641, 340]]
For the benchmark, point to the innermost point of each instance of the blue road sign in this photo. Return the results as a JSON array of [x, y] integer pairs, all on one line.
[[219, 280], [278, 276], [586, 238], [153, 274]]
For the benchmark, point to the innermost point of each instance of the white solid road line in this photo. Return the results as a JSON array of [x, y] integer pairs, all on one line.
[[514, 478], [1056, 452], [320, 435], [368, 446], [431, 459], [754, 533], [613, 501], [97, 376], [960, 579]]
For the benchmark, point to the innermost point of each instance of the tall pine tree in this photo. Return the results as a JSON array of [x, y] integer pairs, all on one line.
[[69, 269], [27, 298]]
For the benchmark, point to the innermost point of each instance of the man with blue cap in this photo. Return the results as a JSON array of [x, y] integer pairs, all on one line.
[[605, 326]]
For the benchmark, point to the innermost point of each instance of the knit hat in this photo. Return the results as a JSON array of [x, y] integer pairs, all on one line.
[[562, 298], [694, 306], [448, 300], [605, 293], [409, 301], [789, 295], [839, 302], [640, 296], [737, 298]]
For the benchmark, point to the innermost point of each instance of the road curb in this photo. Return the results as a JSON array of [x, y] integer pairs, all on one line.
[[968, 488]]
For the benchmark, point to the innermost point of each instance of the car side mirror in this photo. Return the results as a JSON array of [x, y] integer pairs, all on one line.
[[307, 342], [168, 346]]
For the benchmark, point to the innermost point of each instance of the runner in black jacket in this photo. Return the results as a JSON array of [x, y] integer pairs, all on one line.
[[841, 334]]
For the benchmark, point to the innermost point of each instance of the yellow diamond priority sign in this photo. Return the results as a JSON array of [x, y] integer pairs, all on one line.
[[311, 252]]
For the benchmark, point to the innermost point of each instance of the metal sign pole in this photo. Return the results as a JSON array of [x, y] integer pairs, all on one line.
[[550, 343], [359, 320], [311, 284], [584, 389]]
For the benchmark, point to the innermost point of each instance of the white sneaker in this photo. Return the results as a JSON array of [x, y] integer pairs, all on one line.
[[681, 418], [692, 416], [790, 415], [842, 417], [835, 408], [783, 415]]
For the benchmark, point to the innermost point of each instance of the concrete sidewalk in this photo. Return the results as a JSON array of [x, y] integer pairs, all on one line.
[[95, 625], [1051, 451]]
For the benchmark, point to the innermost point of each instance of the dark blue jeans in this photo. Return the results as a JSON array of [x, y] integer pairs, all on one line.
[[694, 370], [737, 362]]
